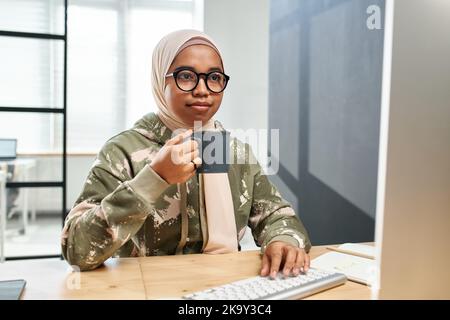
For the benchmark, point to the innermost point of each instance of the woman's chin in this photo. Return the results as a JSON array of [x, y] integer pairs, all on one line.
[[200, 117]]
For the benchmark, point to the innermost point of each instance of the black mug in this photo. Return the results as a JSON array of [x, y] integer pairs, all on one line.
[[214, 148]]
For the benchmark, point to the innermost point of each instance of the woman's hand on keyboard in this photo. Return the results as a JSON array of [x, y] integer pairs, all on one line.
[[284, 256]]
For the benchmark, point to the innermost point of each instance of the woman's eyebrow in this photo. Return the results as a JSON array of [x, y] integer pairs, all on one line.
[[215, 69], [184, 68], [193, 69]]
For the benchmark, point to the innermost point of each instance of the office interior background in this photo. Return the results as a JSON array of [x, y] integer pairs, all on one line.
[[310, 68]]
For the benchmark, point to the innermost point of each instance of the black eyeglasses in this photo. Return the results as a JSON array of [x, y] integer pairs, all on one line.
[[187, 80]]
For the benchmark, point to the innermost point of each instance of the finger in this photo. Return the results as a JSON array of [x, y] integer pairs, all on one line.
[[181, 157], [192, 155], [299, 262], [189, 146], [186, 159], [307, 262], [188, 164], [179, 138], [275, 261], [265, 265], [289, 261], [177, 155], [198, 161], [184, 153], [195, 160]]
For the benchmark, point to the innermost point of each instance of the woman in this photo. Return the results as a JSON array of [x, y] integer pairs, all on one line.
[[138, 201]]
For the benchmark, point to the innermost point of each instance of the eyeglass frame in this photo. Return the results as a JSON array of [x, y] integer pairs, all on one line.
[[206, 75]]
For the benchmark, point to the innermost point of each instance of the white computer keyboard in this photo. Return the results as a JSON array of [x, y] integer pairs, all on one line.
[[264, 288]]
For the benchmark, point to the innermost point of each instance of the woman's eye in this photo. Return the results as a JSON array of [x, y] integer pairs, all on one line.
[[185, 76], [215, 77]]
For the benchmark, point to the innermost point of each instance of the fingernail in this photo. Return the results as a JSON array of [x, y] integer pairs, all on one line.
[[296, 271], [273, 274]]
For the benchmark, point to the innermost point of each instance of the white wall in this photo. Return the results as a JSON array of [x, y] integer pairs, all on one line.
[[241, 29]]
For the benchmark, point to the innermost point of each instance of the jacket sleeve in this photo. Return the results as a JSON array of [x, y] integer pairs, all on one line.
[[272, 218], [112, 207]]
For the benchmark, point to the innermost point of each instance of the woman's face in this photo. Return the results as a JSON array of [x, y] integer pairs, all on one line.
[[199, 104]]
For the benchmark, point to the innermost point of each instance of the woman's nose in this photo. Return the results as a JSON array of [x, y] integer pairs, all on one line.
[[201, 89]]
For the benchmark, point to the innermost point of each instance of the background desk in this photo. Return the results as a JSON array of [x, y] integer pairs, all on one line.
[[2, 215], [149, 277], [23, 170]]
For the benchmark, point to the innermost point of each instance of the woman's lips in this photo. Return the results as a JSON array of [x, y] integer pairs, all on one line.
[[202, 107]]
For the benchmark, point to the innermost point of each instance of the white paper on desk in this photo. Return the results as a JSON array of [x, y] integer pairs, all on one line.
[[359, 248], [355, 268]]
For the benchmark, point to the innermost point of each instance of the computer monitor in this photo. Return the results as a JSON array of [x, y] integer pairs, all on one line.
[[413, 205], [8, 149]]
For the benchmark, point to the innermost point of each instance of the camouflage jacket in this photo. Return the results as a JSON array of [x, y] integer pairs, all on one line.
[[126, 209]]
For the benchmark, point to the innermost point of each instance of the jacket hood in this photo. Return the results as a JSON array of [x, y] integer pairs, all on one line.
[[151, 127]]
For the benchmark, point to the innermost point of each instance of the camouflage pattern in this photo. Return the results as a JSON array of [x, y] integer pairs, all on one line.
[[127, 210]]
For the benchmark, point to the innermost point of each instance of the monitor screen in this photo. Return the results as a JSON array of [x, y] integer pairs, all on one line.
[[8, 149]]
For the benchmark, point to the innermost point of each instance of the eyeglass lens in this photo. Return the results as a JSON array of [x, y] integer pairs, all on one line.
[[187, 80]]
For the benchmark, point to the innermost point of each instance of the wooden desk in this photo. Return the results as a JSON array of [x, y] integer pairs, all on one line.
[[149, 277]]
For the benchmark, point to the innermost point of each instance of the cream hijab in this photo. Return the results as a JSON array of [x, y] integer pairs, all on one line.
[[216, 203]]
